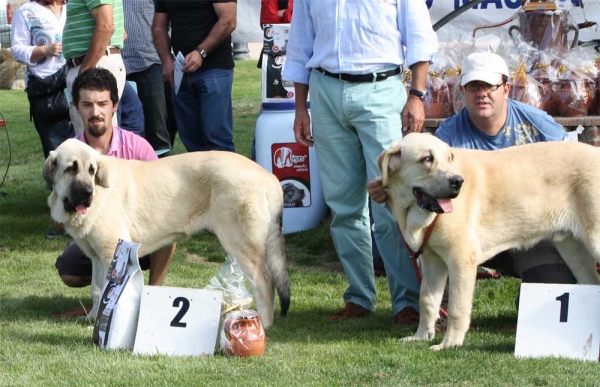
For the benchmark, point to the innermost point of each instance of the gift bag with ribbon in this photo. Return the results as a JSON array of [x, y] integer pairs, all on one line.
[[241, 332]]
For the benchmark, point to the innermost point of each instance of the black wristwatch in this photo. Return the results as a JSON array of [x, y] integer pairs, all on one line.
[[421, 94], [201, 52]]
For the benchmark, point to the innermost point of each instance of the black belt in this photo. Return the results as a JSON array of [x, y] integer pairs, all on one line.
[[74, 62], [373, 77]]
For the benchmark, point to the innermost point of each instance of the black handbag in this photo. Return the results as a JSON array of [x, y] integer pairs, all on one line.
[[57, 82], [47, 100], [51, 108]]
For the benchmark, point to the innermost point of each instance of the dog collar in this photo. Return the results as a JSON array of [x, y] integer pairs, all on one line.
[[414, 255]]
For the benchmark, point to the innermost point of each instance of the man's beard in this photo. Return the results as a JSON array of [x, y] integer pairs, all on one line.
[[97, 130]]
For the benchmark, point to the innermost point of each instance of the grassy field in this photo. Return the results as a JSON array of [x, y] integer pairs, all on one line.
[[306, 348]]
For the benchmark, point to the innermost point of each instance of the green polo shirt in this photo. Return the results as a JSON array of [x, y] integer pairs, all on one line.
[[79, 26]]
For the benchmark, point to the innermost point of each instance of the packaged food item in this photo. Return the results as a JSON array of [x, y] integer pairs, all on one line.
[[116, 322], [241, 333], [525, 88], [546, 74], [574, 92], [437, 101]]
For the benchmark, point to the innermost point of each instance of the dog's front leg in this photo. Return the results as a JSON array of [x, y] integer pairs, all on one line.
[[434, 273], [99, 272], [460, 302]]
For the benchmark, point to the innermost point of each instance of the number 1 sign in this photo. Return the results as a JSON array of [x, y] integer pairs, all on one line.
[[178, 321], [559, 320]]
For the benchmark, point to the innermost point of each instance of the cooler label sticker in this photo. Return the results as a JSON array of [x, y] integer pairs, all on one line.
[[291, 165]]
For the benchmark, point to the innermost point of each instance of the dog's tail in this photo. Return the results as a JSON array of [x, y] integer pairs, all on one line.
[[276, 261]]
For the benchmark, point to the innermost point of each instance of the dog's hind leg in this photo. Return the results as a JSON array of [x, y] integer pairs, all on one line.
[[250, 255], [460, 301], [264, 292], [276, 260], [579, 259], [434, 274]]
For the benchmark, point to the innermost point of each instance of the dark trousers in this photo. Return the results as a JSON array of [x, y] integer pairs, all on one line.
[[151, 92], [74, 262], [539, 264], [51, 121], [171, 122], [203, 110]]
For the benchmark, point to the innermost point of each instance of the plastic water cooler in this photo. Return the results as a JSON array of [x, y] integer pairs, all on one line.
[[294, 165]]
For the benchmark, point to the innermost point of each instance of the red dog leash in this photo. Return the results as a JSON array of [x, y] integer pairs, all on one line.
[[415, 255]]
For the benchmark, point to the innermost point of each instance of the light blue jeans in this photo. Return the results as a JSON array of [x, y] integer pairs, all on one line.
[[352, 123]]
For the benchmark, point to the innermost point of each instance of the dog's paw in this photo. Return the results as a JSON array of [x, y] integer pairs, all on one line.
[[415, 338], [445, 344], [437, 348]]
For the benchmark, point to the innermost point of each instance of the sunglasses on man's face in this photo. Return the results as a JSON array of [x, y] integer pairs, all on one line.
[[475, 86]]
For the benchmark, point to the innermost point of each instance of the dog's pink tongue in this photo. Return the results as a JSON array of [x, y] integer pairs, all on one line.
[[445, 204], [81, 210]]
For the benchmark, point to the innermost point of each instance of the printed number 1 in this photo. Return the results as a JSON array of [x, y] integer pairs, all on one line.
[[564, 307], [185, 306]]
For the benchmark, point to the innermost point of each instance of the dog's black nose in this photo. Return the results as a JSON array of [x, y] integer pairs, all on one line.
[[87, 191], [456, 182]]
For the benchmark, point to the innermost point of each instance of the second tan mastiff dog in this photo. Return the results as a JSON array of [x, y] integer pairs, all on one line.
[[487, 202], [101, 199]]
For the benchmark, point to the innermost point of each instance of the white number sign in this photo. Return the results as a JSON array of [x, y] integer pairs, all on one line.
[[178, 321], [558, 320]]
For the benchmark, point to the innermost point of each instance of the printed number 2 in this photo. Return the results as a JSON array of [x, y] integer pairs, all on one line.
[[185, 305], [564, 307]]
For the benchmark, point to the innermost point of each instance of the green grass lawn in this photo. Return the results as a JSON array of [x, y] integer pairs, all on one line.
[[306, 348]]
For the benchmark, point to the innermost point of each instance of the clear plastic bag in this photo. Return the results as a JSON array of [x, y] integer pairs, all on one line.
[[576, 84], [458, 47], [241, 333], [525, 88], [437, 102], [544, 71], [231, 280]]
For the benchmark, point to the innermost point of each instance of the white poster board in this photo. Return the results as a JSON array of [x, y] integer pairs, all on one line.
[[178, 321], [557, 320]]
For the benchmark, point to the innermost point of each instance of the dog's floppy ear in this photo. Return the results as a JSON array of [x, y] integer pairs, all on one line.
[[101, 173], [388, 161], [49, 169]]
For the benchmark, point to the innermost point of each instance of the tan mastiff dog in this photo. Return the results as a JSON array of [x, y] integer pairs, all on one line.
[[101, 199], [487, 202]]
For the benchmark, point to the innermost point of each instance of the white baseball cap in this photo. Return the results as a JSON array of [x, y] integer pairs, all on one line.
[[483, 66]]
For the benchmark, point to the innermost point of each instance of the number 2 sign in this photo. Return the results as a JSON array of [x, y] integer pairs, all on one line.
[[178, 321], [559, 320]]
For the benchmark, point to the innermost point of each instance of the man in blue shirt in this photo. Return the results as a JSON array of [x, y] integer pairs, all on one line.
[[490, 120], [351, 55]]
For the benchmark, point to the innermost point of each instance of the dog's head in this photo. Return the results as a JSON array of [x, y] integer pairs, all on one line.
[[419, 167], [72, 172]]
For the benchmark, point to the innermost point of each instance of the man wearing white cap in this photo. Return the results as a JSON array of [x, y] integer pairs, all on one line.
[[489, 121]]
